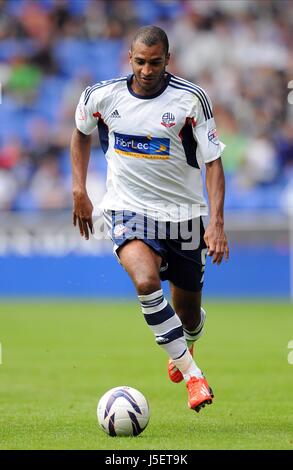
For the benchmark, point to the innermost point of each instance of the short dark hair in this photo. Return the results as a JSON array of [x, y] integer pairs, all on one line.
[[150, 36]]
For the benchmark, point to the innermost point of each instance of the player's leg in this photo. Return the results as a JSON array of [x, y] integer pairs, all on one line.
[[142, 264], [185, 273], [187, 305]]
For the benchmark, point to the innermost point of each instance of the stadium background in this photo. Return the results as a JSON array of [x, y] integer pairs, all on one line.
[[58, 355], [50, 50]]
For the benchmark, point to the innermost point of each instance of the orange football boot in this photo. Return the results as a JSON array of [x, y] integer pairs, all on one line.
[[199, 393]]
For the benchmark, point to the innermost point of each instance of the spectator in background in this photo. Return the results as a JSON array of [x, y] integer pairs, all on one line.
[[259, 166], [236, 141], [240, 51], [24, 80]]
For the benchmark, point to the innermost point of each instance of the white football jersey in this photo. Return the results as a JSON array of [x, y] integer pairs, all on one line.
[[155, 146]]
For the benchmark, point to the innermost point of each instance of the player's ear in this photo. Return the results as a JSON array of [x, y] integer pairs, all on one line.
[[130, 55], [167, 58]]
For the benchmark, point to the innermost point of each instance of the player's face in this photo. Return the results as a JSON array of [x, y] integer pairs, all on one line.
[[148, 65]]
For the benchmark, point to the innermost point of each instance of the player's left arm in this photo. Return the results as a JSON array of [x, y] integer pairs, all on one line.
[[215, 237], [209, 151]]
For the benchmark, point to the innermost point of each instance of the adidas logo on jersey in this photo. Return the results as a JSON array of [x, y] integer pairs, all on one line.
[[115, 114]]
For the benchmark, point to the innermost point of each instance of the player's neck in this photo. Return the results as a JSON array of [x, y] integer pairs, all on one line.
[[138, 90]]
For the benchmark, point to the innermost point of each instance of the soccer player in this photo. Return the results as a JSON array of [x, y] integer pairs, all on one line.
[[157, 131]]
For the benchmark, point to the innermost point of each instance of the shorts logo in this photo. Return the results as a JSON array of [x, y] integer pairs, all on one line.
[[168, 120], [213, 136], [156, 148], [164, 268], [119, 230]]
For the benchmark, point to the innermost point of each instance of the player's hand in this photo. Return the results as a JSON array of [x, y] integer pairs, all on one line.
[[82, 214], [216, 242]]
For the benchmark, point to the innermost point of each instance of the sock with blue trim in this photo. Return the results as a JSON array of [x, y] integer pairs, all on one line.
[[168, 331], [192, 335]]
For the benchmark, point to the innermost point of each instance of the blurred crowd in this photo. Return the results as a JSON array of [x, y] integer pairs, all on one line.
[[240, 52]]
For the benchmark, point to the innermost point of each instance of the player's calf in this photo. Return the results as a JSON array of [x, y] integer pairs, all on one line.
[[191, 336], [168, 331]]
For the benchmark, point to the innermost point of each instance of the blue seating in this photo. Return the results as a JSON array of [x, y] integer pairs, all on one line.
[[50, 97], [10, 48], [72, 56], [105, 58]]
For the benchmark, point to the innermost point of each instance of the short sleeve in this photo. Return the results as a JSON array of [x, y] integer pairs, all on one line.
[[209, 146], [85, 116]]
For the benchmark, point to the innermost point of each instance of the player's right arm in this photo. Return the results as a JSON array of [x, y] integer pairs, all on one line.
[[82, 205], [80, 154]]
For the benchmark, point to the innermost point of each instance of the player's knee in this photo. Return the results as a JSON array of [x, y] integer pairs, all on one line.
[[147, 285]]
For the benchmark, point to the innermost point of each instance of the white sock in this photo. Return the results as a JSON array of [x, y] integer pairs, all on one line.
[[168, 331], [193, 335], [187, 366], [164, 323]]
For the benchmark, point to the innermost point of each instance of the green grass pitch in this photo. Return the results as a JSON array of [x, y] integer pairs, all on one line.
[[58, 358]]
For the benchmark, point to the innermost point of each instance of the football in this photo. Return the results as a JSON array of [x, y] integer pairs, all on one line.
[[123, 411]]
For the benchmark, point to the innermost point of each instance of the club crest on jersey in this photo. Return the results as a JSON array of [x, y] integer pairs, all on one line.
[[213, 136], [168, 120]]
